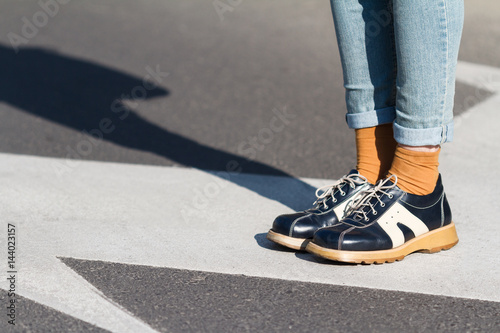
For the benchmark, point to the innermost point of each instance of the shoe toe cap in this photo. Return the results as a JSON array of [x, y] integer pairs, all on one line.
[[327, 237], [298, 225], [344, 237], [365, 240], [283, 223]]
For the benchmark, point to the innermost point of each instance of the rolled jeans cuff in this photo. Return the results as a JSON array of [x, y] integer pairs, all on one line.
[[423, 136], [371, 118]]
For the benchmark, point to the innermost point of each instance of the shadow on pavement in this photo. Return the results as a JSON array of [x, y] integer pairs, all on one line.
[[265, 243], [87, 96], [312, 258]]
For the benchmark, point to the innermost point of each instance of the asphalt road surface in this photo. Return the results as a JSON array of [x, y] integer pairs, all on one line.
[[224, 80]]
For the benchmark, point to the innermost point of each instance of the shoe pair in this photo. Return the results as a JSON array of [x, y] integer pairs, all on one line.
[[354, 221]]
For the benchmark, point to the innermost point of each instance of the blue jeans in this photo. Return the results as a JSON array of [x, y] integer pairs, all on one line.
[[399, 59]]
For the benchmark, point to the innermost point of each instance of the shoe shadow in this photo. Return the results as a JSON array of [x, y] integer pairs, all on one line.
[[265, 243], [318, 260], [86, 96]]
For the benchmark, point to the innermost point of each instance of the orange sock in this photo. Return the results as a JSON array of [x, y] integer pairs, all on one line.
[[417, 171], [375, 148]]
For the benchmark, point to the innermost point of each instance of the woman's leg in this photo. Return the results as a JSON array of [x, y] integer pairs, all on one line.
[[365, 36], [427, 39], [366, 42], [427, 35]]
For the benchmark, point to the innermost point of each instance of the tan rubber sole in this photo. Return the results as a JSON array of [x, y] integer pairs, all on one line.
[[434, 241], [290, 242]]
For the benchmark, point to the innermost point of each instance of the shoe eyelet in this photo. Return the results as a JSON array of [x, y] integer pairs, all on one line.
[[390, 196], [367, 219], [374, 212], [342, 194], [334, 200], [382, 204], [326, 207]]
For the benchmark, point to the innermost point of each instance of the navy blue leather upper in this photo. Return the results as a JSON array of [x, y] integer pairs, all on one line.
[[304, 224], [357, 234]]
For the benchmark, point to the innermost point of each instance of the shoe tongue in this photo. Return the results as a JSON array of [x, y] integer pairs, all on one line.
[[354, 172], [389, 182]]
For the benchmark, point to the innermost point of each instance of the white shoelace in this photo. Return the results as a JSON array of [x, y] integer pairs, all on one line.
[[363, 204], [329, 190]]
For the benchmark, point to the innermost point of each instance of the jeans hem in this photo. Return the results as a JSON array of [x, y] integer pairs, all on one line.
[[371, 118], [423, 136]]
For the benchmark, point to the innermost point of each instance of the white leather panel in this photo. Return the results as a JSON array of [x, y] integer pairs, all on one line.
[[399, 214]]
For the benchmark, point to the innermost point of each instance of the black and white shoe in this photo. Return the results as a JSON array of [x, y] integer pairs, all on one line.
[[386, 224], [295, 230]]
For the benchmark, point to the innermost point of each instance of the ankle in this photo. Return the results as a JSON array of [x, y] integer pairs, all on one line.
[[417, 170], [428, 149], [375, 148]]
